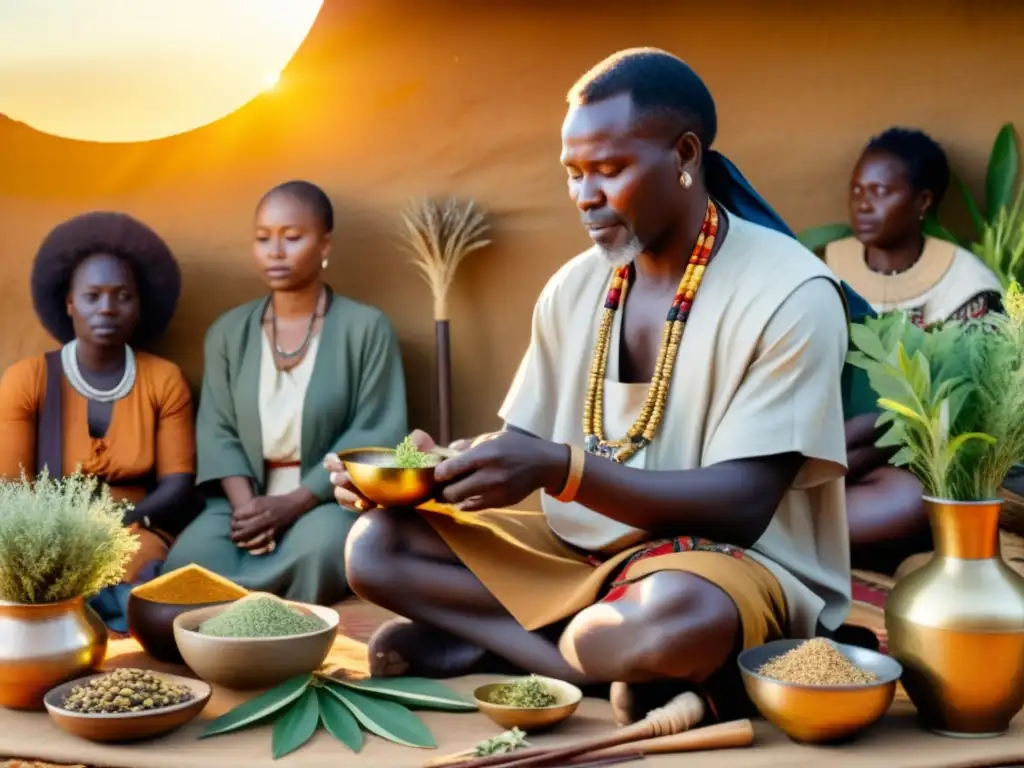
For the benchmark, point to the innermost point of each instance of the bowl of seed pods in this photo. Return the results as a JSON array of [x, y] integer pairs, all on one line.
[[126, 705]]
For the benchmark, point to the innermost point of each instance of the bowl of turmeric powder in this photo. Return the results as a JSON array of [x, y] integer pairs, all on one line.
[[393, 477], [153, 606], [819, 691]]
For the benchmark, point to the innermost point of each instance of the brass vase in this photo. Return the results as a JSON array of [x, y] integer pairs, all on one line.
[[957, 626], [42, 646]]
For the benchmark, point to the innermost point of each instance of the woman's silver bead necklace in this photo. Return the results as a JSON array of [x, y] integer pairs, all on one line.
[[69, 362]]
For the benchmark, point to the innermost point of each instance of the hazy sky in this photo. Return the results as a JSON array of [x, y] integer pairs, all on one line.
[[138, 69]]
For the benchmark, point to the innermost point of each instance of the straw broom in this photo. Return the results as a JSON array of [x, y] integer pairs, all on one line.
[[440, 235]]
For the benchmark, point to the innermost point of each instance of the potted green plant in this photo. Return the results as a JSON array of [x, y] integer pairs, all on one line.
[[61, 541], [952, 401]]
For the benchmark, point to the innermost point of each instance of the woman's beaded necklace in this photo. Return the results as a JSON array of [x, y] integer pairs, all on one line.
[[73, 373], [644, 428]]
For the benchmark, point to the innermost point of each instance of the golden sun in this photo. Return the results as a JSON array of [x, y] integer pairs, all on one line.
[[137, 70]]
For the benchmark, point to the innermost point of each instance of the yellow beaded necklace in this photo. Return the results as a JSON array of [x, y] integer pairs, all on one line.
[[644, 428]]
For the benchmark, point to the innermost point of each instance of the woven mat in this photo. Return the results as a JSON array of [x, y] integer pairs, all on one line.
[[895, 742]]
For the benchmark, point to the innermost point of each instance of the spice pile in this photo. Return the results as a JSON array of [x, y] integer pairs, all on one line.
[[261, 616], [126, 690], [816, 662], [408, 456], [190, 585], [528, 693]]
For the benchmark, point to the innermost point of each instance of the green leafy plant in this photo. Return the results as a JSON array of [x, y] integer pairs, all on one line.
[[998, 238], [298, 706], [952, 397], [60, 539]]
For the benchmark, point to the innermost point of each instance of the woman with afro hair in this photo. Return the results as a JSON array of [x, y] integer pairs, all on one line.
[[105, 285]]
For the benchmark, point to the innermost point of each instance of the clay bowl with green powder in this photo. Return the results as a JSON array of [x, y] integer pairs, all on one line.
[[393, 477], [255, 642]]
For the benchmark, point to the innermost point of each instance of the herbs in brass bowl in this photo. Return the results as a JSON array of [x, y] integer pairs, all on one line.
[[126, 704], [399, 477], [531, 703]]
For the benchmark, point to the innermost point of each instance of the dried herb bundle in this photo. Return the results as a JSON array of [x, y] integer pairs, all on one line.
[[298, 706], [60, 539], [441, 235]]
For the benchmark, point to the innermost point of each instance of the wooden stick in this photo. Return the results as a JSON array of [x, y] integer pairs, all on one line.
[[730, 735], [680, 714], [588, 763]]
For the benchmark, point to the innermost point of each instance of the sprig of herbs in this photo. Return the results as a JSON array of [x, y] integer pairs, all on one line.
[[408, 456]]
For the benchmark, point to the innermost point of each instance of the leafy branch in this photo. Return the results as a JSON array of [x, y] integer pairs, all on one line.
[[299, 706], [952, 397]]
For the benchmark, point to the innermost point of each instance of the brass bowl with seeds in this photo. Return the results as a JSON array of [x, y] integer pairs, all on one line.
[[530, 719], [121, 727], [821, 713]]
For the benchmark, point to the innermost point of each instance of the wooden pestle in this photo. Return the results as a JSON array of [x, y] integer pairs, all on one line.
[[679, 715], [730, 735]]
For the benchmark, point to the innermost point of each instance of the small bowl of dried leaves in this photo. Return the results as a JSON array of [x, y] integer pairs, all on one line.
[[126, 704], [393, 477], [819, 691], [532, 703]]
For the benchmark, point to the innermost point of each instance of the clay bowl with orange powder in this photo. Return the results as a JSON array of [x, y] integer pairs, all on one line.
[[153, 606]]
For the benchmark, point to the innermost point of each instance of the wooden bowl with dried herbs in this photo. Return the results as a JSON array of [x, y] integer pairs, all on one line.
[[126, 704], [532, 703], [393, 477], [819, 691], [256, 642]]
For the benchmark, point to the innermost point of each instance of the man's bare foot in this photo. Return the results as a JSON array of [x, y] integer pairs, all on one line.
[[632, 701], [402, 647]]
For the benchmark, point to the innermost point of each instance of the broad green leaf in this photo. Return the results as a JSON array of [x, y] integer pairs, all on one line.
[[255, 709], [867, 341], [413, 692], [816, 238], [972, 207], [338, 721], [1003, 167], [296, 725], [933, 228], [902, 410], [386, 719], [902, 457], [958, 442], [896, 435]]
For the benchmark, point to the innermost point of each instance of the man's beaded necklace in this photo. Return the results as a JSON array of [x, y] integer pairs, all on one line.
[[644, 428]]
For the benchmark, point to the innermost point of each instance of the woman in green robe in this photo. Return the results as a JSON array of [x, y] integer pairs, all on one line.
[[288, 379]]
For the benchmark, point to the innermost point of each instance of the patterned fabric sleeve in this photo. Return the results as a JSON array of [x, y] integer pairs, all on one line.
[[978, 307]]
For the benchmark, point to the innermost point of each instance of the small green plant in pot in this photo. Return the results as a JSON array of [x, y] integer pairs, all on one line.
[[61, 541], [952, 401]]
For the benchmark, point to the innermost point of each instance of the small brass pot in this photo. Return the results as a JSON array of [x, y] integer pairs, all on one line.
[[42, 646], [957, 626]]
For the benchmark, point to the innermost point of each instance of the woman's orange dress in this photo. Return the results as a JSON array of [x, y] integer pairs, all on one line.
[[151, 435]]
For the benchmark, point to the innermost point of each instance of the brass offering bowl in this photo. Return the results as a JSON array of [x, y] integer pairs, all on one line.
[[820, 713], [126, 726], [151, 623], [385, 485], [246, 663], [530, 719]]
